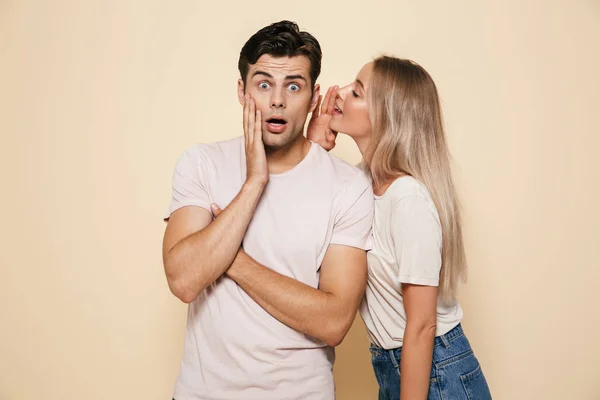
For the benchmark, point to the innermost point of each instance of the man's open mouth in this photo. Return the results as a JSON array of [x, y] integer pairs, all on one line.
[[276, 121], [276, 125]]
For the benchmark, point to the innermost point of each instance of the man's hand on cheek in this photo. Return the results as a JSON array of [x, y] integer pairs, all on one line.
[[257, 170]]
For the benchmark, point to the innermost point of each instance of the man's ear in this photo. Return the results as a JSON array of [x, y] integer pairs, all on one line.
[[315, 98], [240, 91]]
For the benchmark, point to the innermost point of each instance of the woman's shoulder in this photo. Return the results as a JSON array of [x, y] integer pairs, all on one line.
[[407, 186], [410, 201]]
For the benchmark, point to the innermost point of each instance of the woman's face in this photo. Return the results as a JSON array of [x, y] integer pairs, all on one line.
[[351, 113]]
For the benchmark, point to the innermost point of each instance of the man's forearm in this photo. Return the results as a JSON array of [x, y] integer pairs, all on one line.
[[199, 259], [417, 352], [306, 309]]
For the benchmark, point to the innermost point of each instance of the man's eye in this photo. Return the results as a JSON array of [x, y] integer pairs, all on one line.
[[294, 88], [264, 85]]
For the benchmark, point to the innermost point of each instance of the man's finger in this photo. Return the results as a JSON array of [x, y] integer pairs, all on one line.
[[216, 210], [246, 107], [251, 121], [258, 128]]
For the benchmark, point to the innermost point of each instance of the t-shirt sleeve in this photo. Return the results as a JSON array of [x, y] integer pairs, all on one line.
[[417, 237], [353, 227], [189, 188]]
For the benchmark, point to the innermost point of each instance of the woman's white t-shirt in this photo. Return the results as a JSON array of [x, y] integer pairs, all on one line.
[[407, 248]]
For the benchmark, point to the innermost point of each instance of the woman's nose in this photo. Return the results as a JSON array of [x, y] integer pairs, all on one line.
[[341, 92]]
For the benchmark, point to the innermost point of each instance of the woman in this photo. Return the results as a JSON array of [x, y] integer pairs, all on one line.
[[419, 350]]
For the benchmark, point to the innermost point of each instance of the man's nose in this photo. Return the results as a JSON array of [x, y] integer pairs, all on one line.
[[278, 99]]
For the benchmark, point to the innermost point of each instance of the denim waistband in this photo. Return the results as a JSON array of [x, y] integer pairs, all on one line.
[[447, 337], [442, 340]]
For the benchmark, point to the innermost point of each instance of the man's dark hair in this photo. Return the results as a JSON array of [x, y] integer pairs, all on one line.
[[281, 39]]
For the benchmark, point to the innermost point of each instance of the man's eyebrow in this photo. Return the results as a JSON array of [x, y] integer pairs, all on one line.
[[287, 78], [294, 77], [262, 73]]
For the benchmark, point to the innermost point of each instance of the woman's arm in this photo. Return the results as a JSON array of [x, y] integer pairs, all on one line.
[[417, 238], [417, 346]]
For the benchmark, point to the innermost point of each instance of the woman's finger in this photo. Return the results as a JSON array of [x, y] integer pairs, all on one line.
[[317, 111], [331, 103], [326, 101]]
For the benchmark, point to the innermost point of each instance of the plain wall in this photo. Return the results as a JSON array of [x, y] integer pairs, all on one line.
[[99, 98]]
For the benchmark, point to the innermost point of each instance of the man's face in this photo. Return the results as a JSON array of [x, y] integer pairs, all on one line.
[[281, 88]]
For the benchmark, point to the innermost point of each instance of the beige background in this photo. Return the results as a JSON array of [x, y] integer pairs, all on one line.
[[98, 98]]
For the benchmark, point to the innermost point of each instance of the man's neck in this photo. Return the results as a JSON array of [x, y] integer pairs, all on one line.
[[285, 158]]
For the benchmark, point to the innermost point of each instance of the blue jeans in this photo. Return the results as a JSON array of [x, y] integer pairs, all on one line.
[[455, 372]]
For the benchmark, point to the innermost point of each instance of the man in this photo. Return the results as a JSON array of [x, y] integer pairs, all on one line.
[[275, 280]]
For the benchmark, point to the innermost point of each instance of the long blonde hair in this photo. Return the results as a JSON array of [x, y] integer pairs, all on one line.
[[408, 138]]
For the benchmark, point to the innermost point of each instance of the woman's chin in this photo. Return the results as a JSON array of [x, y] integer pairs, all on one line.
[[336, 127], [344, 132]]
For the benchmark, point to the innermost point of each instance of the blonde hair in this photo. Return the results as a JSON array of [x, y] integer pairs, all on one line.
[[408, 138]]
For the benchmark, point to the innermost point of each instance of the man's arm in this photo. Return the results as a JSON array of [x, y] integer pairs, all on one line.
[[195, 251], [325, 313]]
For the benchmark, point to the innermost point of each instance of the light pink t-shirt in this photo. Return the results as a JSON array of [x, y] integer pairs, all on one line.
[[233, 348], [407, 248]]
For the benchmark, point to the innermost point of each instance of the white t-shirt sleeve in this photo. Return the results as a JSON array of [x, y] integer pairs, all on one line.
[[417, 237], [189, 189], [353, 227]]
